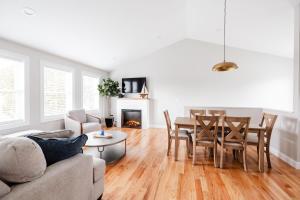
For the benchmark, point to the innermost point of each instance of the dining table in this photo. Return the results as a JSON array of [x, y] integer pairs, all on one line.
[[188, 123]]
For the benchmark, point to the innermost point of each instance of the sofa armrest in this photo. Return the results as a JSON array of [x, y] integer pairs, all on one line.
[[98, 169], [4, 189], [73, 125], [68, 179], [93, 118]]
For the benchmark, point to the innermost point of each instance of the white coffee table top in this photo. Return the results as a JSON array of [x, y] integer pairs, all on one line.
[[117, 137]]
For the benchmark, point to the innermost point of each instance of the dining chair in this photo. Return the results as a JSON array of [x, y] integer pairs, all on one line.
[[205, 134], [268, 121], [236, 137], [194, 112], [216, 112], [182, 135], [219, 113]]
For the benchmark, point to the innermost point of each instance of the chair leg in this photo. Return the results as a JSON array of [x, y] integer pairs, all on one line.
[[268, 157], [169, 146], [234, 154], [221, 159], [216, 156], [194, 153], [187, 147], [257, 151], [245, 160]]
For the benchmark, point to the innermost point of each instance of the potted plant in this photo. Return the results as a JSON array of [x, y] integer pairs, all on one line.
[[109, 88]]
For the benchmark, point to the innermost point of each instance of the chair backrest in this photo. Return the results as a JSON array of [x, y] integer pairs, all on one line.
[[77, 115], [206, 127], [268, 120], [236, 129], [195, 112], [216, 112], [168, 122]]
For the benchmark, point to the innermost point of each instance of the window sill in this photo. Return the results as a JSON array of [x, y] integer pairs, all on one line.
[[13, 124], [52, 118]]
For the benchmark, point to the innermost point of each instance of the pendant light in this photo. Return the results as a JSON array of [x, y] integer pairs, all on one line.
[[225, 66]]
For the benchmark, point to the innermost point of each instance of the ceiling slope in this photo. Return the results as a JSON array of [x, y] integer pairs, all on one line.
[[106, 33]]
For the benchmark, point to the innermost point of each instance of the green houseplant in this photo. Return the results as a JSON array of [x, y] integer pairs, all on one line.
[[109, 88]]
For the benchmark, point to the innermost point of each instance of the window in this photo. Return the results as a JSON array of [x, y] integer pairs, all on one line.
[[13, 96], [57, 91], [90, 92]]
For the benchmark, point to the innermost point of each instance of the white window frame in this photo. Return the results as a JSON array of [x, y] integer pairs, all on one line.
[[47, 64], [26, 121], [93, 75]]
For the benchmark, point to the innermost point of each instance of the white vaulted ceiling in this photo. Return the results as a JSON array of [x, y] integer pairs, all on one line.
[[106, 33]]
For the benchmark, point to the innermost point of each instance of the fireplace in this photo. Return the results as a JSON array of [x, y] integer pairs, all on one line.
[[131, 118]]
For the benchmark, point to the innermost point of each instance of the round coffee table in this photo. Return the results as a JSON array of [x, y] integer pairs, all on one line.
[[108, 148]]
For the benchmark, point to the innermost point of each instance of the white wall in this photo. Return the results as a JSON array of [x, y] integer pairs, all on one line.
[[180, 75], [34, 76]]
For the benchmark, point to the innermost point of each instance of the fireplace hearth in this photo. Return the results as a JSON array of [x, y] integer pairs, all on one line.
[[131, 118]]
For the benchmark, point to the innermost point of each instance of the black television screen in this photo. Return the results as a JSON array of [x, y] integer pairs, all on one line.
[[133, 85]]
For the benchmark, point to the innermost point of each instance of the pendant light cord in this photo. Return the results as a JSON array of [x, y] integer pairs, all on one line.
[[225, 29]]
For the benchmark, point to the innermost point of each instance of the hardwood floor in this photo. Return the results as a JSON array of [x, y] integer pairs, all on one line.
[[148, 173]]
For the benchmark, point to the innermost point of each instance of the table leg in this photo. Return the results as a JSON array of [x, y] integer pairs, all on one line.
[[261, 151], [100, 151], [176, 142]]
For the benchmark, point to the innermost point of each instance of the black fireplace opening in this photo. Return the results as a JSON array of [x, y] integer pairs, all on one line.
[[131, 118]]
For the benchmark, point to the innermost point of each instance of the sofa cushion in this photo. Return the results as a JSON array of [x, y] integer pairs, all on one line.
[[4, 189], [54, 134], [22, 160], [59, 149], [78, 115], [98, 169], [91, 126]]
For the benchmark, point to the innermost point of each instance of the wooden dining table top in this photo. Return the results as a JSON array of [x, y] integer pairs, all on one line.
[[190, 122]]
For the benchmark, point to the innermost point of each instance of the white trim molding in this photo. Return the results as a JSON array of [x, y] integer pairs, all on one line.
[[285, 158]]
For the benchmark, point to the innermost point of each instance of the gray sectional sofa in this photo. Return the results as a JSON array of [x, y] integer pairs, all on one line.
[[80, 177]]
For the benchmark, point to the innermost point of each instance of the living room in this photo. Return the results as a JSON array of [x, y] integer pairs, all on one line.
[[133, 99]]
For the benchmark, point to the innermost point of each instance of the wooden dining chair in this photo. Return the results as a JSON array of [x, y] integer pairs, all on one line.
[[268, 121], [219, 113], [182, 135], [216, 112], [236, 137], [205, 134], [194, 112]]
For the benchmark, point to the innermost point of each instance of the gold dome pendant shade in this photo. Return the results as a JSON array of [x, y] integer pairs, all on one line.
[[225, 66]]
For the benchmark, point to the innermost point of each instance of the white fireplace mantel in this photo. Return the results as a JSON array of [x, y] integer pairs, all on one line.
[[134, 104]]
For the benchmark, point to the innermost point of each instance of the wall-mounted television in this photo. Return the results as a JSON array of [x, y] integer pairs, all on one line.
[[133, 85]]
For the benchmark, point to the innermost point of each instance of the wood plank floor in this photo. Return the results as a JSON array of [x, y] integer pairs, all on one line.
[[148, 173]]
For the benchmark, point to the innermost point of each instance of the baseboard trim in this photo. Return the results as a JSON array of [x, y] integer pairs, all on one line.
[[285, 158]]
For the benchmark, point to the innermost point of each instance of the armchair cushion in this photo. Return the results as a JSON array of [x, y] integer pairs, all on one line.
[[90, 127], [92, 118], [78, 115]]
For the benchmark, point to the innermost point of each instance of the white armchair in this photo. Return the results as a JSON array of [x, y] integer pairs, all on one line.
[[81, 122]]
